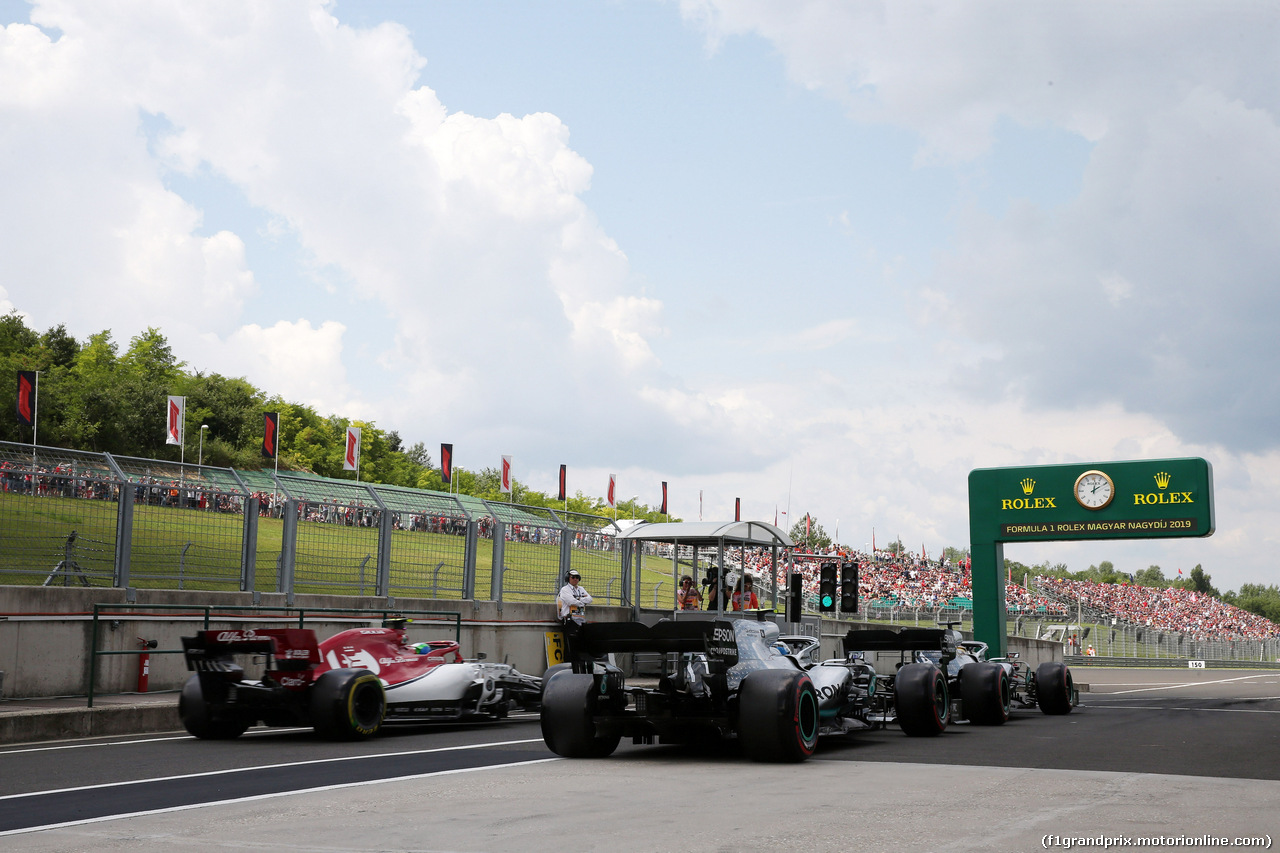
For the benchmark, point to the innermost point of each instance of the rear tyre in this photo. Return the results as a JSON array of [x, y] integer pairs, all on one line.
[[920, 697], [546, 676], [568, 706], [778, 715], [198, 719], [1054, 688], [347, 704], [984, 694]]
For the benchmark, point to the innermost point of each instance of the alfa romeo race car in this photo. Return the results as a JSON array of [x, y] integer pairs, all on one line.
[[346, 687]]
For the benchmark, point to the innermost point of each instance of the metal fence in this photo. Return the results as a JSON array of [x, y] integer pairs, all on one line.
[[72, 517], [60, 516], [63, 522]]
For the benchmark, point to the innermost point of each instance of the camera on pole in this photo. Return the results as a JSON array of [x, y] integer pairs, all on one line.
[[827, 588], [848, 587]]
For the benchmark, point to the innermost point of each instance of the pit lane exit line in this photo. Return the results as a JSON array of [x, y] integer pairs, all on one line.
[[1183, 684], [234, 800], [274, 767]]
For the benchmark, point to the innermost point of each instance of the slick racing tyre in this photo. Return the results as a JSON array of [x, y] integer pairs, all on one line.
[[1054, 688], [198, 720], [920, 697], [568, 705], [985, 697], [546, 676], [778, 715], [347, 704]]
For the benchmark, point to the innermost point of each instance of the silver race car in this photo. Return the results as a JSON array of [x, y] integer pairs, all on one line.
[[720, 679]]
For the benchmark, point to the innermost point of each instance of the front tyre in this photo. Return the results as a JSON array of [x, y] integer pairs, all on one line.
[[778, 715], [568, 708], [197, 718], [984, 694], [1054, 687], [920, 697], [347, 704]]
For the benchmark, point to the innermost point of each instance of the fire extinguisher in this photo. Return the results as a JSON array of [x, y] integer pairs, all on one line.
[[144, 663]]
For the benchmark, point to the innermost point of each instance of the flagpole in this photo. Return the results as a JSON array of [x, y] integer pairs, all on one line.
[[182, 445]]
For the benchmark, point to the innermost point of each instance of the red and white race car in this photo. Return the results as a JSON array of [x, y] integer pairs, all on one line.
[[346, 687]]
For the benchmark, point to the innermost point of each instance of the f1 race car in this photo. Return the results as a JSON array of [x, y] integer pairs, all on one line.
[[346, 687], [721, 679], [1049, 687], [947, 680]]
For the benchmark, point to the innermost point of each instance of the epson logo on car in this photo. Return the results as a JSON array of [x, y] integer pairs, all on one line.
[[722, 635]]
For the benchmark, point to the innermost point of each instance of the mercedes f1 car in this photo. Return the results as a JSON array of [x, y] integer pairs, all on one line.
[[947, 680], [720, 679], [1049, 686], [346, 687]]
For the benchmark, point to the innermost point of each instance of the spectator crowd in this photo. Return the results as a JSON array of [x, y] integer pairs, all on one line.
[[912, 582]]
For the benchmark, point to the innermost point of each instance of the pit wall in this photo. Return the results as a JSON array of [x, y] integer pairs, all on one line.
[[45, 632]]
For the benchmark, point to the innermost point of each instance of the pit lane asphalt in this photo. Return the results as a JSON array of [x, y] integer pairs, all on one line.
[[1105, 768]]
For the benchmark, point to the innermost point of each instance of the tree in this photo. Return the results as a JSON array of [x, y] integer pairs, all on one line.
[[60, 348], [15, 337], [808, 533], [1104, 572], [1152, 576], [1199, 581], [1255, 598]]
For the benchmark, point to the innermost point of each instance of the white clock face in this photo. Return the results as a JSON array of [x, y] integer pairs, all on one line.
[[1094, 490]]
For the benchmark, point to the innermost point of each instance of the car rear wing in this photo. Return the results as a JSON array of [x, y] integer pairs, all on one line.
[[287, 648], [715, 638], [905, 640]]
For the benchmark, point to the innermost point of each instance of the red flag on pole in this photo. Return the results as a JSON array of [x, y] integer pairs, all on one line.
[[270, 434], [446, 463], [737, 509], [663, 510], [612, 496], [351, 458], [506, 475], [562, 482], [27, 397], [177, 411]]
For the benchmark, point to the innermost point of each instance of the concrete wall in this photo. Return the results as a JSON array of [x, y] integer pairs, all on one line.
[[45, 632]]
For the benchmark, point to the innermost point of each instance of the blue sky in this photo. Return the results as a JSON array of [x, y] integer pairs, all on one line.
[[819, 255]]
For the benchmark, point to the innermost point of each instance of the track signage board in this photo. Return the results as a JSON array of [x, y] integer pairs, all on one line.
[[1146, 499]]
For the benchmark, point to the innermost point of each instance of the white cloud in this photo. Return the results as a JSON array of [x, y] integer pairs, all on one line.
[[1155, 287], [453, 277], [304, 363]]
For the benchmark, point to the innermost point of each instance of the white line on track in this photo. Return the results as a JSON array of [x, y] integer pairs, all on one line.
[[1171, 686], [101, 743], [250, 733], [273, 767], [279, 794], [1163, 708]]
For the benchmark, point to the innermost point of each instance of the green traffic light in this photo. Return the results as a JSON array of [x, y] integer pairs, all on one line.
[[827, 601]]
